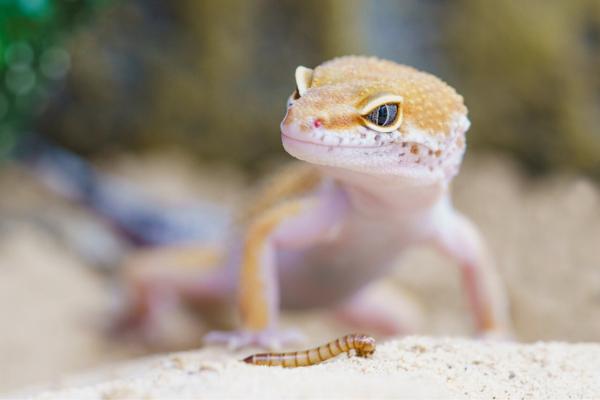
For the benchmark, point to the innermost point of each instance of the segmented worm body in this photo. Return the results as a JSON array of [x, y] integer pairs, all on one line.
[[364, 345]]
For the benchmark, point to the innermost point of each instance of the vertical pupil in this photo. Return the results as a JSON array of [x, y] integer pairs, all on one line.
[[382, 115]]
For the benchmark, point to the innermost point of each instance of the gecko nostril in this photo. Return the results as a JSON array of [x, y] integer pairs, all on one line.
[[318, 123]]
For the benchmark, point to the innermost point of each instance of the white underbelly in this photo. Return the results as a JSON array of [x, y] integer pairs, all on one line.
[[332, 271]]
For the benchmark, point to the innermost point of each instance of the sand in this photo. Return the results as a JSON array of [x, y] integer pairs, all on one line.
[[544, 232], [407, 368]]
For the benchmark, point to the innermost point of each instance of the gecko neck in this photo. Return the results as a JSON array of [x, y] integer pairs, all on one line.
[[398, 196]]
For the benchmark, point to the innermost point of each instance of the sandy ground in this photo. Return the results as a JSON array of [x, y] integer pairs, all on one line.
[[408, 368], [544, 234]]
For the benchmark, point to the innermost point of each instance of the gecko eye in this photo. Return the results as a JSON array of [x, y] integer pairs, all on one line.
[[382, 112], [384, 115]]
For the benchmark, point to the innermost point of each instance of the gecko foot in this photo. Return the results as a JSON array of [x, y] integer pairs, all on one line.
[[270, 339]]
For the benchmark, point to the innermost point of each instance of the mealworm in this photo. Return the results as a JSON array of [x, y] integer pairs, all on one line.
[[364, 345]]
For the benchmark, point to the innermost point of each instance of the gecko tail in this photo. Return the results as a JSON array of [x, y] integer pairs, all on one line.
[[57, 168], [143, 220]]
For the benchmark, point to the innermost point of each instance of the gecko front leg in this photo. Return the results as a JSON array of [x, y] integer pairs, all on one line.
[[459, 239], [293, 224]]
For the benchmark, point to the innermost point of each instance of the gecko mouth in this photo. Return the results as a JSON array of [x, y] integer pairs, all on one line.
[[403, 160], [289, 143], [290, 139], [361, 150], [294, 135]]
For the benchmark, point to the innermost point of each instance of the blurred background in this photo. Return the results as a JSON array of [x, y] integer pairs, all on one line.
[[183, 100]]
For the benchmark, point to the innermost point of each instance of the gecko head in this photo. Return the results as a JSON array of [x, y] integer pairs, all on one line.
[[376, 117]]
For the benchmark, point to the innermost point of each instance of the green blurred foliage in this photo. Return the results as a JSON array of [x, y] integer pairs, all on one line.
[[33, 58], [530, 73]]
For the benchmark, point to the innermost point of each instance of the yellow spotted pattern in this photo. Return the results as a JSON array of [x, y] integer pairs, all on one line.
[[339, 87]]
